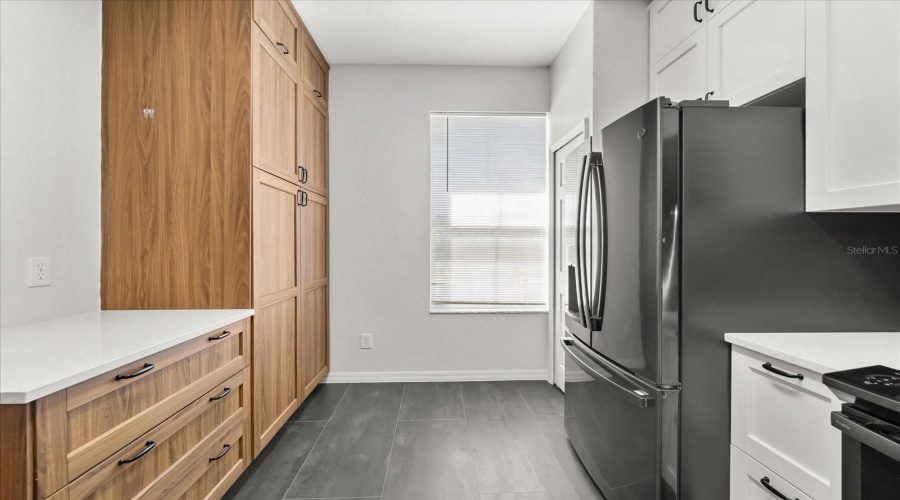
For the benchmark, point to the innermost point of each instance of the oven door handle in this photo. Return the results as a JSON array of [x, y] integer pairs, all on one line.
[[875, 434], [621, 382]]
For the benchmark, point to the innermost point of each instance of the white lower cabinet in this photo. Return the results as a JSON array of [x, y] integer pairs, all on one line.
[[750, 480], [784, 423], [681, 74], [853, 106], [755, 47]]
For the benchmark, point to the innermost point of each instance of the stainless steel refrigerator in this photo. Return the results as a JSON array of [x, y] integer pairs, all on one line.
[[688, 224]]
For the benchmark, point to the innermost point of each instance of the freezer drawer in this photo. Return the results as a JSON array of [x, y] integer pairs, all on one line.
[[624, 431]]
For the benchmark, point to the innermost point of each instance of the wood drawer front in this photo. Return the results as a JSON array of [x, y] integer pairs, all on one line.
[[785, 423], [211, 479], [315, 71], [747, 476], [181, 443], [125, 409], [276, 20]]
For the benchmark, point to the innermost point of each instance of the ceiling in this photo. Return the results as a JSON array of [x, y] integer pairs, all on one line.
[[453, 32]]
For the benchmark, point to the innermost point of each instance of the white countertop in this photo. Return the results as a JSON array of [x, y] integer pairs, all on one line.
[[824, 352], [41, 358]]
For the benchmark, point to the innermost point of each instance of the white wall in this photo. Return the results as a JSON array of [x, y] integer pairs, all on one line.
[[621, 61], [379, 210], [572, 79], [49, 156]]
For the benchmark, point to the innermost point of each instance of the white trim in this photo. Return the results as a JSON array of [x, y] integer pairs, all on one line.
[[582, 129], [435, 376]]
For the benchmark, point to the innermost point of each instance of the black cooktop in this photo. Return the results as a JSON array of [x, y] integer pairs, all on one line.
[[878, 385]]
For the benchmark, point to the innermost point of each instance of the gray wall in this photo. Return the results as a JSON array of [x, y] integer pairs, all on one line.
[[379, 211], [572, 79], [50, 54]]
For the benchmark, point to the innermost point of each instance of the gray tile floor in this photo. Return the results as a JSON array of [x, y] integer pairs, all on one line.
[[420, 441]]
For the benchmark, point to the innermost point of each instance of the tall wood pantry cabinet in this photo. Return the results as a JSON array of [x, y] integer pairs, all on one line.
[[215, 179]]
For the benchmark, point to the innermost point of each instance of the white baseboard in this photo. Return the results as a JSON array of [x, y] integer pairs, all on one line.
[[435, 376]]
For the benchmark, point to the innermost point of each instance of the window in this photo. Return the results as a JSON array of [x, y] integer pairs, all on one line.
[[489, 213]]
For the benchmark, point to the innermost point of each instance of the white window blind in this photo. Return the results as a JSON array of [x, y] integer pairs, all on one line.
[[489, 213]]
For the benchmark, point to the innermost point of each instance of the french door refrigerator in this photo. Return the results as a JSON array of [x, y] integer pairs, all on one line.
[[690, 223]]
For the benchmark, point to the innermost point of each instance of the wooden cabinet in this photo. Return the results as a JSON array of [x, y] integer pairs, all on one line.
[[209, 109], [853, 106], [276, 349], [281, 27], [314, 290], [671, 22], [754, 47], [784, 423], [751, 480], [681, 74], [314, 145], [275, 94]]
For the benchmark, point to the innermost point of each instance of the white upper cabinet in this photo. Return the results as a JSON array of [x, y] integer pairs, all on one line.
[[755, 47], [671, 22], [853, 106], [681, 74]]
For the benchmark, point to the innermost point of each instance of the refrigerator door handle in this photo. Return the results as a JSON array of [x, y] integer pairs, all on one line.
[[580, 235], [597, 300], [621, 382]]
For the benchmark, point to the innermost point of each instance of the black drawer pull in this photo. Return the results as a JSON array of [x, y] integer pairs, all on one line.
[[150, 446], [765, 482], [220, 336], [696, 17], [305, 175], [318, 94], [147, 367], [226, 392], [220, 455], [284, 48], [706, 6], [768, 366]]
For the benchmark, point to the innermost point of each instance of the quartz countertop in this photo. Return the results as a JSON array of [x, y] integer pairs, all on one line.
[[824, 352], [38, 359]]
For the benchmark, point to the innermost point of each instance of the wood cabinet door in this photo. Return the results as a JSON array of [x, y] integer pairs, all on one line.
[[671, 23], [276, 384], [853, 106], [314, 145], [315, 70], [314, 290], [681, 74], [274, 110], [278, 23], [755, 47]]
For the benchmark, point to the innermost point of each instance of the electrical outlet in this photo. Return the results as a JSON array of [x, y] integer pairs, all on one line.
[[365, 341], [38, 271]]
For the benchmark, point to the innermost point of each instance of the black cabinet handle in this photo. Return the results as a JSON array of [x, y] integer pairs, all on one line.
[[696, 17], [284, 48], [299, 198], [706, 6], [150, 446], [706, 97], [318, 94], [765, 482], [304, 175], [147, 367], [220, 336], [226, 392], [768, 366], [220, 455], [305, 199]]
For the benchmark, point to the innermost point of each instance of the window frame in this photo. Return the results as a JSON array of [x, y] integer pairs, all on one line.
[[490, 308]]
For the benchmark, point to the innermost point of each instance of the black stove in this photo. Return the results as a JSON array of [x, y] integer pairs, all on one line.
[[870, 446]]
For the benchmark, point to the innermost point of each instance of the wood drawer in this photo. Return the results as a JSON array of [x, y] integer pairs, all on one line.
[[105, 414], [277, 21], [212, 478], [747, 476], [179, 444], [785, 423]]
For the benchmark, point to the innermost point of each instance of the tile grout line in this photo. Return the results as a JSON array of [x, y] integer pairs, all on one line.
[[516, 385], [387, 469], [469, 438], [283, 497]]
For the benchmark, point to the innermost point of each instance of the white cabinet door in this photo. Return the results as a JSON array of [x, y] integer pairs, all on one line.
[[853, 106], [681, 75], [671, 22], [785, 423], [755, 47], [749, 480]]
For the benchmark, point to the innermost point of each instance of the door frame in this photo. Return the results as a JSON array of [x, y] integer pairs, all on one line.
[[581, 131]]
